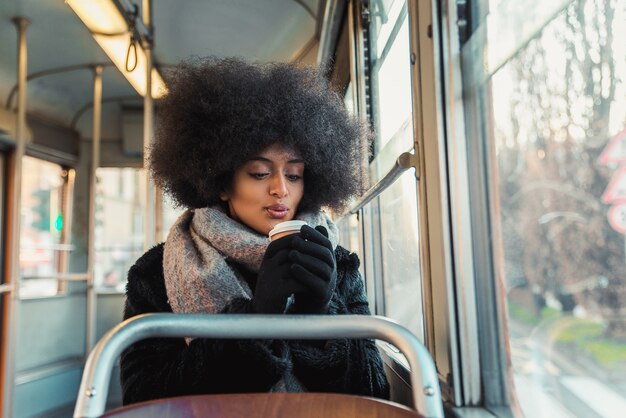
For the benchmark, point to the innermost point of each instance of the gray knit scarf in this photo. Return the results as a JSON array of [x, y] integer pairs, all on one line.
[[199, 280], [197, 277]]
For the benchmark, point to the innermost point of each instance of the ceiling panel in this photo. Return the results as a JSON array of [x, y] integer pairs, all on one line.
[[260, 30]]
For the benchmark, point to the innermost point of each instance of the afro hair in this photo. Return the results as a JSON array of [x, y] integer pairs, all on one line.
[[221, 112]]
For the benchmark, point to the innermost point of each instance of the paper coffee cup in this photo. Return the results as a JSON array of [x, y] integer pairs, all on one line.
[[285, 228]]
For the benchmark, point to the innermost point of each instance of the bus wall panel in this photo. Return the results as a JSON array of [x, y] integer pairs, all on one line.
[[110, 312], [35, 397], [50, 330], [54, 137], [132, 132], [110, 126], [8, 124], [112, 154]]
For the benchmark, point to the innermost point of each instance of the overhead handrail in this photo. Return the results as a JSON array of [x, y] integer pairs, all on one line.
[[405, 161], [51, 71], [94, 386], [113, 99]]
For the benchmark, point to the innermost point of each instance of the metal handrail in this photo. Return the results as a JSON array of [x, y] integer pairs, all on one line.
[[68, 277], [53, 247], [6, 287], [92, 393], [405, 161]]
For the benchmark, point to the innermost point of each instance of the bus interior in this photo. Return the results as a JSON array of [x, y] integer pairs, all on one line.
[[493, 227]]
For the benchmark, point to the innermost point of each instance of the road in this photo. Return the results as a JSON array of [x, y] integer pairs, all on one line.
[[551, 383]]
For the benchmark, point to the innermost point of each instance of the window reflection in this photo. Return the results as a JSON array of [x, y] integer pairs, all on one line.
[[552, 110], [400, 253], [391, 71], [348, 228], [394, 220]]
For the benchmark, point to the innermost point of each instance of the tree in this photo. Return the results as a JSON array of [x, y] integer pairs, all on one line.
[[565, 86]]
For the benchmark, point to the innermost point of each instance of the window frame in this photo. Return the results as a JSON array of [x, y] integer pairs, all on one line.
[[434, 218], [62, 253], [496, 365]]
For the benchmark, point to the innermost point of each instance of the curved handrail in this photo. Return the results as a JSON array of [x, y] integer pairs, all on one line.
[[405, 161], [94, 385]]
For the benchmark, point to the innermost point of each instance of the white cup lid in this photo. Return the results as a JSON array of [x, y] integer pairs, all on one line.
[[286, 226]]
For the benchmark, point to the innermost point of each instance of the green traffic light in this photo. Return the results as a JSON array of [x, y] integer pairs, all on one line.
[[58, 222]]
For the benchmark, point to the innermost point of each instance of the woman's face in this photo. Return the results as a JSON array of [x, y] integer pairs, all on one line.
[[267, 189]]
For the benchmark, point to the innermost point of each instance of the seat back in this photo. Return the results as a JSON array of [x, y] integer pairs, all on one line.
[[95, 382]]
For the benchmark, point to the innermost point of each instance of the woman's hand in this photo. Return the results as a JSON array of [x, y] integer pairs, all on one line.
[[274, 281], [314, 266]]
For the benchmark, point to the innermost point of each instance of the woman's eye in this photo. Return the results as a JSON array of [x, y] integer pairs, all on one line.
[[259, 176], [294, 177]]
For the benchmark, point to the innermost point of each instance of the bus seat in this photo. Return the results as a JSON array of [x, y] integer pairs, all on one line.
[[266, 405], [92, 393]]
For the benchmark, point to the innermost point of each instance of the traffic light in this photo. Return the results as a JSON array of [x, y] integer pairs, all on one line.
[[42, 210]]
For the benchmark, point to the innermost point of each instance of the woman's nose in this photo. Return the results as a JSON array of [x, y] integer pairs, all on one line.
[[278, 186]]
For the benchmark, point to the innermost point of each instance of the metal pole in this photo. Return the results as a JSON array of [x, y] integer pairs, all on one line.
[[66, 231], [95, 162], [11, 298], [94, 385], [152, 212]]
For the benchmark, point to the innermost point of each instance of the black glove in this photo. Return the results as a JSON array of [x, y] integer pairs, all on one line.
[[315, 268], [274, 282]]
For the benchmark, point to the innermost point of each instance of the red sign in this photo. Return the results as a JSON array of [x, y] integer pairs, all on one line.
[[615, 151], [617, 218], [616, 190]]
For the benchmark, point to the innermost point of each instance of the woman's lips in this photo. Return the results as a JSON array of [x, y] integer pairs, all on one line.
[[277, 211]]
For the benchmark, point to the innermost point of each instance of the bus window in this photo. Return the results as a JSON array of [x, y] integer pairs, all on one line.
[[391, 220], [119, 225], [553, 115], [170, 214], [390, 83], [400, 253], [42, 244]]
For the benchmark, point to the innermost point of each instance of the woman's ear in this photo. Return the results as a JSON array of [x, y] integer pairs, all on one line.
[[224, 197]]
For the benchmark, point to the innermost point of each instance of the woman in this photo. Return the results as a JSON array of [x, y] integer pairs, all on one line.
[[246, 147]]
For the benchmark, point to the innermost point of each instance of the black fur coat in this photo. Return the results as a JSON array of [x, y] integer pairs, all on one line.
[[165, 367]]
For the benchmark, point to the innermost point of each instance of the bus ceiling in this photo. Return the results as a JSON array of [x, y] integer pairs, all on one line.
[[64, 47]]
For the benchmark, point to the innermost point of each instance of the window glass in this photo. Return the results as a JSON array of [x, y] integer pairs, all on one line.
[[554, 119], [400, 253], [394, 87], [348, 99], [384, 15], [393, 216], [391, 77], [349, 233], [119, 225], [171, 213], [42, 223]]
